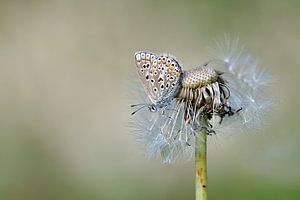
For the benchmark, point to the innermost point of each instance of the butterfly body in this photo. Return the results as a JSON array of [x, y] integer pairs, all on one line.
[[160, 76]]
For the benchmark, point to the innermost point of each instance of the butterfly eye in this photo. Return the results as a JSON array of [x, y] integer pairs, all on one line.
[[155, 89], [164, 59], [143, 56], [147, 77], [173, 64], [152, 108], [154, 63]]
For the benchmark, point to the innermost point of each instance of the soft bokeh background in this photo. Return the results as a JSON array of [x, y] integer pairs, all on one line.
[[65, 68]]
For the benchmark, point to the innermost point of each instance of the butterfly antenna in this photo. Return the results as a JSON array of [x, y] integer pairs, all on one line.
[[139, 104], [143, 106]]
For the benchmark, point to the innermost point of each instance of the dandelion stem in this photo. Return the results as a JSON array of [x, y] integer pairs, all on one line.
[[201, 164]]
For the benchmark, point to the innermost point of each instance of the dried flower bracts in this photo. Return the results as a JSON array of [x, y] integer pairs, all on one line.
[[205, 94]]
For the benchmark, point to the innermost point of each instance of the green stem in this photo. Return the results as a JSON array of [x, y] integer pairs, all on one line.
[[201, 165]]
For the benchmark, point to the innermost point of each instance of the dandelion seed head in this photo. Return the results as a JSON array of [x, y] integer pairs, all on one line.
[[230, 92]]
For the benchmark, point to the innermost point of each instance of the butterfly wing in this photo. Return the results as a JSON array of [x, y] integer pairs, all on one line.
[[160, 75]]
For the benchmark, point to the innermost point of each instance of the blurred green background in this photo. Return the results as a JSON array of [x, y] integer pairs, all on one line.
[[65, 68]]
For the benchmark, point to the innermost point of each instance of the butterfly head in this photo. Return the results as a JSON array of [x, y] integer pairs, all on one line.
[[151, 107]]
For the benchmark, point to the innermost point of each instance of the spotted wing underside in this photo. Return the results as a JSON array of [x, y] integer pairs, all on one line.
[[159, 75]]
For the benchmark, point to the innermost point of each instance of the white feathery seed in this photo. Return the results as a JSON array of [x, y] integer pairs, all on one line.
[[249, 82]]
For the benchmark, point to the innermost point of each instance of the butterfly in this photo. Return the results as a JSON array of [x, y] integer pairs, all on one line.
[[160, 76]]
